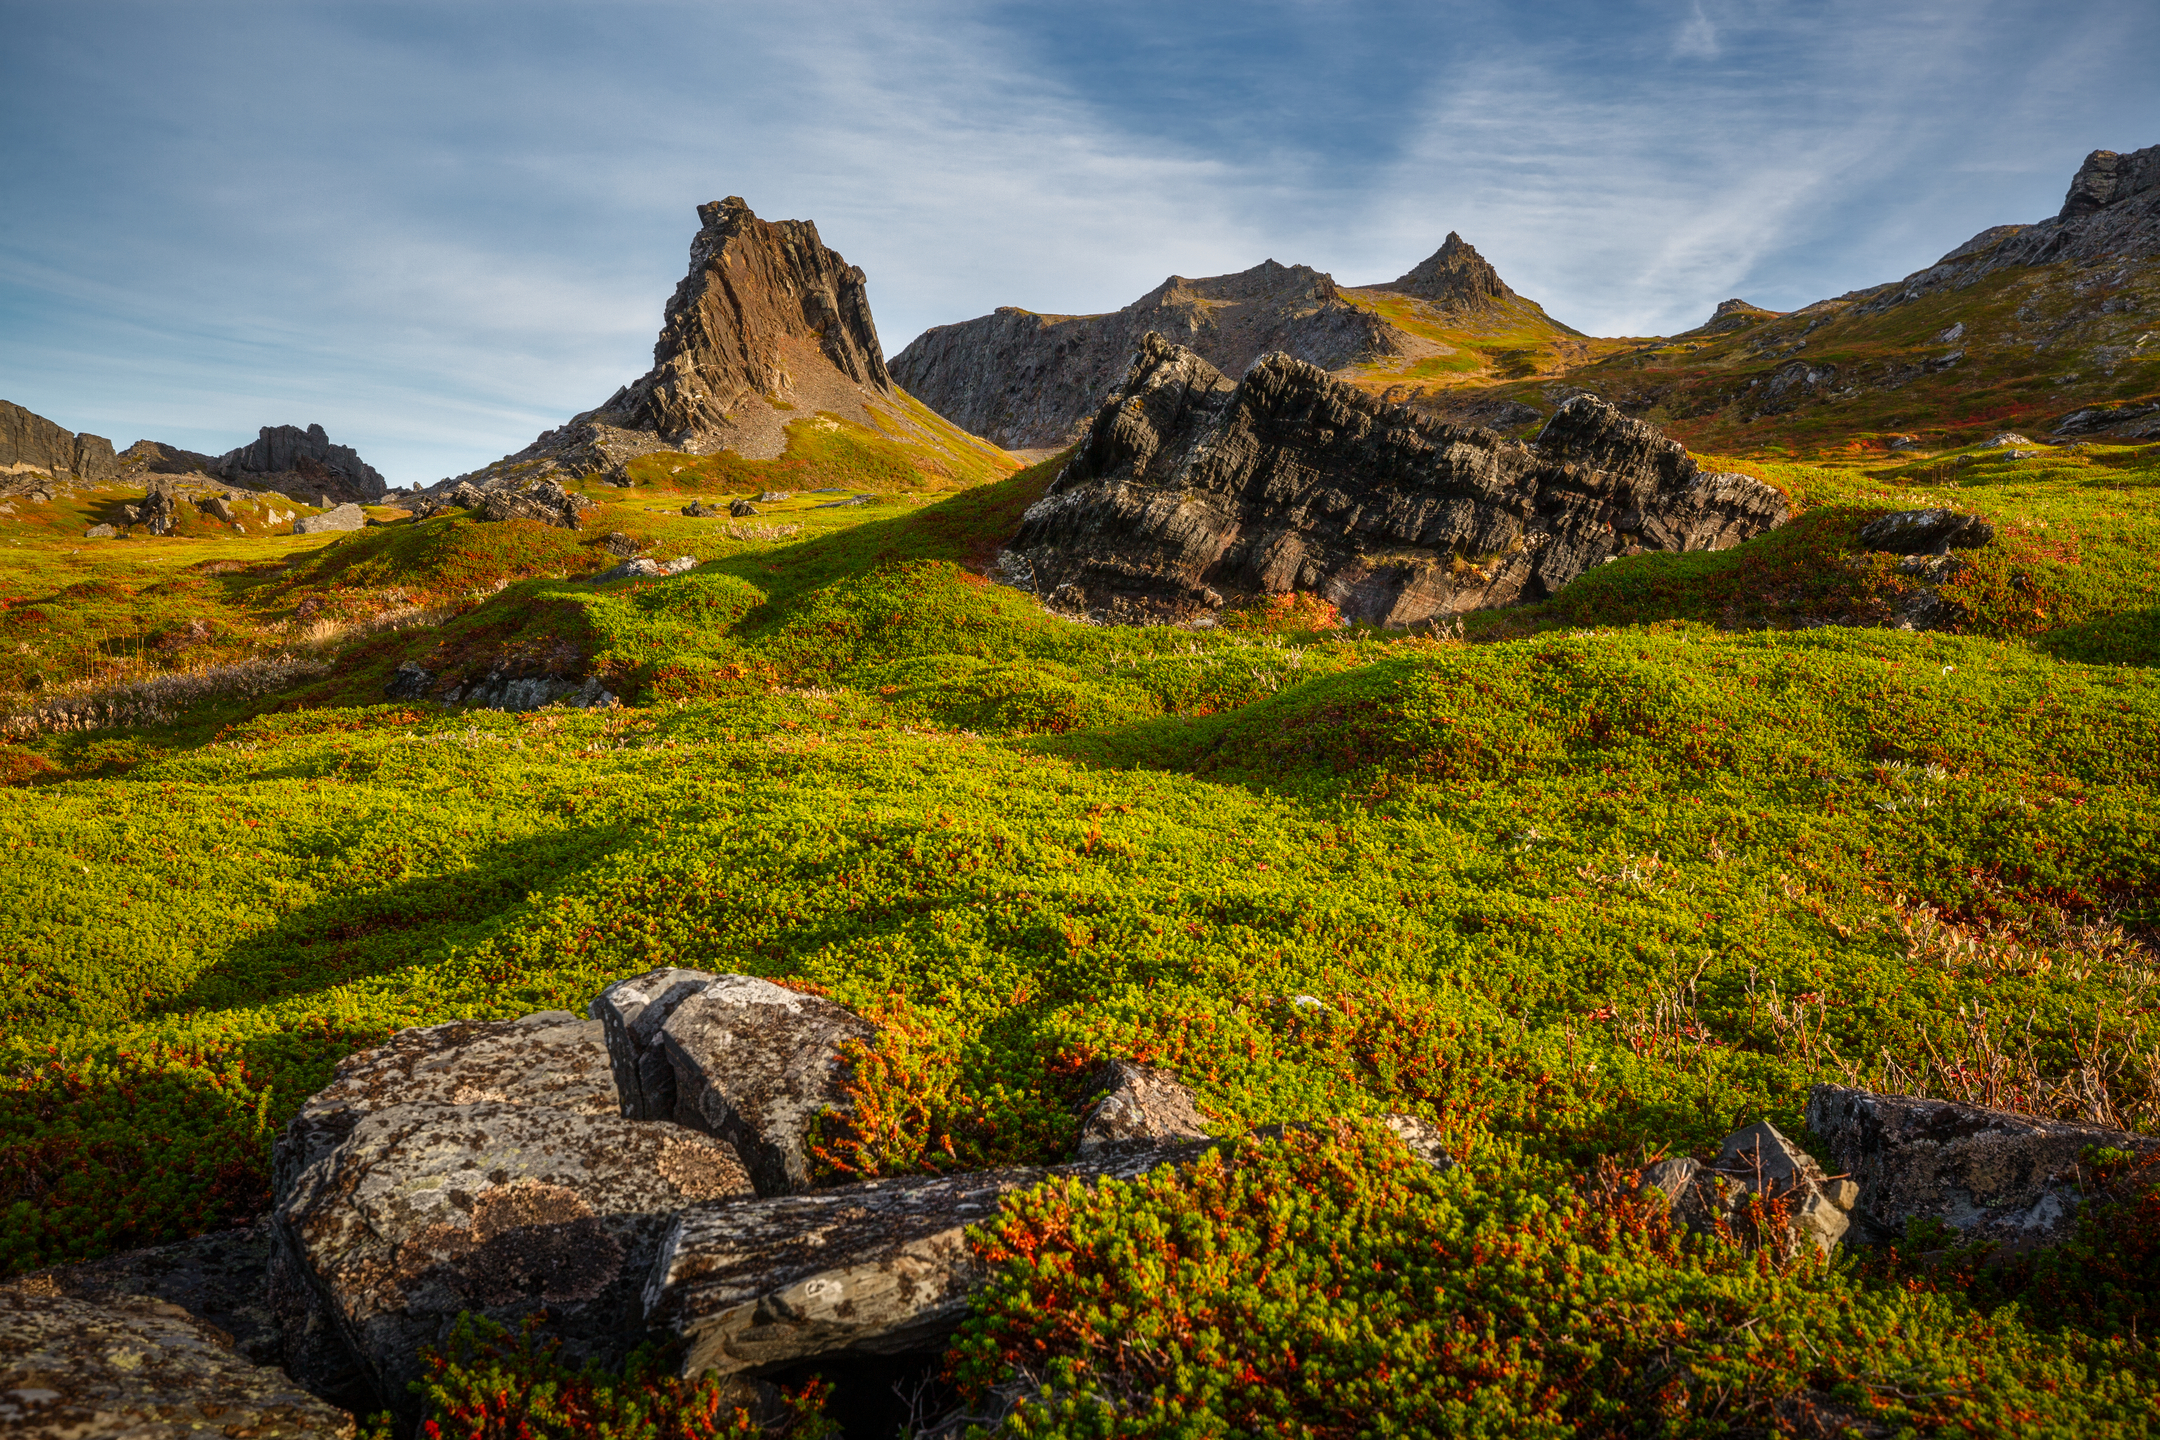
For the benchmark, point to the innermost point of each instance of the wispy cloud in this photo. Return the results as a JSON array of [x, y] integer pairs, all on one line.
[[1697, 37]]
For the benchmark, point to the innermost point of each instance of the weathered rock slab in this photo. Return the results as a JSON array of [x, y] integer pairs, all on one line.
[[1994, 1176], [1138, 1107], [425, 1211], [140, 1369], [342, 517], [1926, 532], [221, 1279]]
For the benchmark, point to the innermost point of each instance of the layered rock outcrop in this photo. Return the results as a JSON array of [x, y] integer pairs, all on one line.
[[767, 322], [301, 462], [34, 450], [1025, 381], [1455, 277], [1191, 491]]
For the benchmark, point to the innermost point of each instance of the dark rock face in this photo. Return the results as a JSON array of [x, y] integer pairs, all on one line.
[[766, 314], [301, 462], [31, 443], [2107, 177], [546, 502], [1926, 532], [1994, 1176], [1190, 490], [221, 1279], [135, 1366], [1023, 380], [423, 1211]]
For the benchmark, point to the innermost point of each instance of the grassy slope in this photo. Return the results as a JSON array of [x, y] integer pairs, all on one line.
[[1566, 893]]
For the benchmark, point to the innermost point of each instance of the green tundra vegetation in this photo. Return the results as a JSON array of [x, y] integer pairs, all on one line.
[[1584, 883]]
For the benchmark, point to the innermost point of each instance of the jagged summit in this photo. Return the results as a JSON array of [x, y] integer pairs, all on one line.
[[766, 322], [1024, 380], [1734, 314], [303, 463], [2107, 177], [1454, 277]]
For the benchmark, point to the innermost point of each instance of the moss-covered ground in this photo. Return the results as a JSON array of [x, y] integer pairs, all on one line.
[[1593, 881]]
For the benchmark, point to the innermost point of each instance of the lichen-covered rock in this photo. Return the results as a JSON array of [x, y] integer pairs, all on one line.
[[1757, 1164], [1926, 532], [220, 1278], [741, 508], [552, 1060], [1190, 490], [755, 1064], [631, 1013], [643, 569], [425, 1211], [339, 518], [138, 1368], [1138, 1107], [1994, 1176], [876, 1268]]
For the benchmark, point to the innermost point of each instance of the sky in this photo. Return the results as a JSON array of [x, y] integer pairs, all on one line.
[[438, 229]]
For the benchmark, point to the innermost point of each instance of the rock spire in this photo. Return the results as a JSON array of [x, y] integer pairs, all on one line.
[[1454, 277]]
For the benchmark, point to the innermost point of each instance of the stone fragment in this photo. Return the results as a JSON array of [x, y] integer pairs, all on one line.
[[617, 543], [1421, 1138], [647, 569], [741, 509], [755, 1064], [1917, 532], [631, 1013], [871, 1269], [160, 513], [1994, 1176], [428, 1210], [344, 517], [217, 507], [1755, 1165], [100, 532], [1138, 1107], [140, 1369]]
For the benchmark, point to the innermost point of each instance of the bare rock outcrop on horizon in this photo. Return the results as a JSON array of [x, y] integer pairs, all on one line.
[[34, 450], [1027, 381], [1192, 491], [302, 463]]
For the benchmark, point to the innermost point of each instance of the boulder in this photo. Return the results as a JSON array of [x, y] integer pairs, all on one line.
[[774, 497], [217, 507], [546, 502], [742, 509], [747, 1061], [411, 682], [1926, 532], [100, 532], [647, 569], [617, 543], [1756, 1165], [699, 510], [499, 690], [344, 517], [427, 1210], [138, 1368], [1993, 1176], [159, 513], [877, 1268], [222, 1279], [1138, 1108], [1190, 490]]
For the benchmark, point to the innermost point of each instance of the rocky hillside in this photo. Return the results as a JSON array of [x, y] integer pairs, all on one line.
[[1030, 381], [1191, 489], [768, 328], [36, 452]]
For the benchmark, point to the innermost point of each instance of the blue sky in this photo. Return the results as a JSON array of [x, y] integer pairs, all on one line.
[[441, 228]]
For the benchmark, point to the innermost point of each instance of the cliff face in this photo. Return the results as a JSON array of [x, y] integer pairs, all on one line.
[[768, 321], [1191, 491], [1026, 381], [31, 444], [302, 463]]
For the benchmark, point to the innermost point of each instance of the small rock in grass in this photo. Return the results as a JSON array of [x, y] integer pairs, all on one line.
[[1914, 532], [698, 510], [1756, 1164], [411, 682], [100, 532], [647, 569], [742, 509], [140, 1368], [2005, 438], [617, 543], [773, 497], [1138, 1108], [344, 517]]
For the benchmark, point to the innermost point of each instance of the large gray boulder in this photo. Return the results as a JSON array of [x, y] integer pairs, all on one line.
[[747, 1060], [1994, 1176], [138, 1368], [342, 517], [426, 1211]]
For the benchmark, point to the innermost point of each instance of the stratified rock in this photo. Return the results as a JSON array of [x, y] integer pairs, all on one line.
[[140, 1369], [1756, 1165], [699, 510], [546, 502], [617, 543], [343, 517], [1023, 380], [1992, 1175], [877, 1268], [1926, 532], [755, 1064], [741, 509], [1138, 1107], [1190, 489], [425, 1211], [301, 462], [31, 444], [551, 1060]]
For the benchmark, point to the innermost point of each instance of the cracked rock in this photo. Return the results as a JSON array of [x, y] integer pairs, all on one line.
[[1918, 532], [1754, 1165], [1138, 1108]]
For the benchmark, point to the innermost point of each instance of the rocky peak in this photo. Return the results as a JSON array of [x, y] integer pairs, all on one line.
[[753, 286], [1454, 276], [2107, 178], [31, 444], [301, 462]]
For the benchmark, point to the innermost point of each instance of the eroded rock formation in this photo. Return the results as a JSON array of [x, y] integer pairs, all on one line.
[[301, 462], [1191, 491], [1023, 380], [34, 450], [1454, 277], [768, 322]]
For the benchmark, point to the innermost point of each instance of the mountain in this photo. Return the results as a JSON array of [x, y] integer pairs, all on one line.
[[301, 463], [767, 326], [2047, 328], [35, 451], [1028, 381]]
